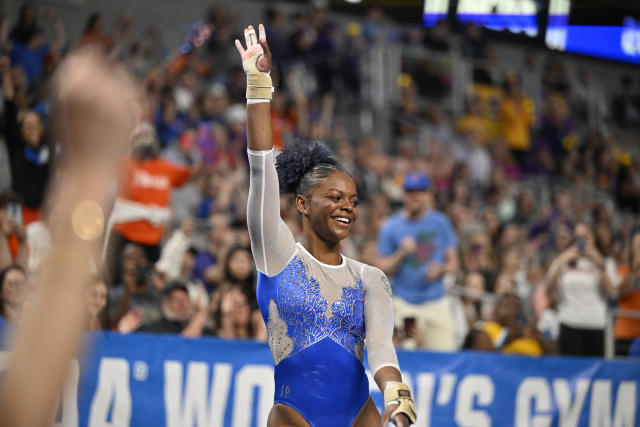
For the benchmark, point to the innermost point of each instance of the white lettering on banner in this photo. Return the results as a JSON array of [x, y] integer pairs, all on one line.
[[536, 389], [474, 387], [425, 383], [625, 412], [569, 414], [445, 388], [112, 390], [515, 7], [248, 378], [199, 406], [144, 179]]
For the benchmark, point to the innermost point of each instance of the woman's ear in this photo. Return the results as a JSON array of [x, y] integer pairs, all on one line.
[[302, 204]]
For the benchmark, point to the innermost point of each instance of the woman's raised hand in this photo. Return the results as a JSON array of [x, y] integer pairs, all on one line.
[[257, 48]]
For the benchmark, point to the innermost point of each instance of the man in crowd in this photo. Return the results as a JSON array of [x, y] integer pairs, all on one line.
[[417, 247], [179, 314]]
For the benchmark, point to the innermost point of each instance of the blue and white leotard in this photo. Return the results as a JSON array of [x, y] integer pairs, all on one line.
[[318, 316]]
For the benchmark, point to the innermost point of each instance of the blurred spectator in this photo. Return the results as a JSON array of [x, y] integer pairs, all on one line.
[[27, 24], [507, 331], [136, 292], [516, 119], [13, 292], [172, 262], [13, 239], [94, 33], [97, 304], [468, 307], [144, 196], [179, 314], [478, 340], [234, 314], [208, 262], [29, 154], [628, 328], [584, 281], [417, 248]]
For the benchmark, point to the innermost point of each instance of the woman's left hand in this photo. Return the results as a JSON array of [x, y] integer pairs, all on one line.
[[399, 420]]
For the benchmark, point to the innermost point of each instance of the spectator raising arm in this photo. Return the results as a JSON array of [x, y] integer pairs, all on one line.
[[93, 121]]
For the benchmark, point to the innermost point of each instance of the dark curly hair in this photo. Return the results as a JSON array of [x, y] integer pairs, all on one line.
[[302, 165]]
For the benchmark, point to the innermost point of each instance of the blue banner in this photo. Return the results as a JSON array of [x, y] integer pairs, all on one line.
[[162, 380]]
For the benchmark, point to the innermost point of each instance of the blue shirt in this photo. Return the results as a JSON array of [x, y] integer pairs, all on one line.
[[30, 60], [433, 234]]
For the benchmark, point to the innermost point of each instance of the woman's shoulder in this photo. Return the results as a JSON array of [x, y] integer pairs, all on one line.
[[369, 274]]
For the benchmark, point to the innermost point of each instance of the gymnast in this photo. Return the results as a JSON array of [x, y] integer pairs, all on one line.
[[319, 306]]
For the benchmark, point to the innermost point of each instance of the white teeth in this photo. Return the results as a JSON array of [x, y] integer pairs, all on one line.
[[345, 220]]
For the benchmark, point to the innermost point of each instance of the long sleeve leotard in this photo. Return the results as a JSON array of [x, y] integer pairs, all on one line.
[[318, 316]]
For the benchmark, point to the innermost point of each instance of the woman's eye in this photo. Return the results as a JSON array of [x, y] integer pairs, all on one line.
[[355, 202], [335, 198]]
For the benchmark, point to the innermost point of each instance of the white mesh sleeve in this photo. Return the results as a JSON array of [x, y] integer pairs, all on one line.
[[378, 318], [272, 243]]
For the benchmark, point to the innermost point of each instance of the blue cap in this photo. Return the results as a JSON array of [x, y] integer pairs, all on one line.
[[416, 181]]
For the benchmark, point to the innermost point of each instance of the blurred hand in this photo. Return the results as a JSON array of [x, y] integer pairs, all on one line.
[[571, 254], [434, 271], [408, 245], [256, 47], [130, 321], [201, 300], [94, 104]]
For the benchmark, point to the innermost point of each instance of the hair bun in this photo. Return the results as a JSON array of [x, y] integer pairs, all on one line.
[[297, 159]]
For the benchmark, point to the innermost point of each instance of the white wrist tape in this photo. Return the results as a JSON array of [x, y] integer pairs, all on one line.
[[257, 100], [259, 84]]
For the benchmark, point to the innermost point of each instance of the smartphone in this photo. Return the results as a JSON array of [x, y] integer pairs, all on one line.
[[409, 326], [581, 244], [15, 213]]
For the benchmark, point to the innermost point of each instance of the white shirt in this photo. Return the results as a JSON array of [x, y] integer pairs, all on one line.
[[582, 301]]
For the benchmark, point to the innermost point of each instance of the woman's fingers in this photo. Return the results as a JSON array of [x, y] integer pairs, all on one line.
[[262, 34], [239, 47], [250, 36]]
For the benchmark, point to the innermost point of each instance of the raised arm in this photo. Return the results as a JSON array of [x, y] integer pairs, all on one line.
[[93, 123], [256, 61], [272, 243]]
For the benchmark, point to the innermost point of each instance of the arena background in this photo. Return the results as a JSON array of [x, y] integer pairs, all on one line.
[[147, 379]]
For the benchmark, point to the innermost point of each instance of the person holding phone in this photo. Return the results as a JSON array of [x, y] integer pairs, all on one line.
[[585, 280], [13, 242]]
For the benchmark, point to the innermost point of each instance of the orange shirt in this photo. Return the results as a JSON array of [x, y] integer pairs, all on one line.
[[627, 328], [149, 182]]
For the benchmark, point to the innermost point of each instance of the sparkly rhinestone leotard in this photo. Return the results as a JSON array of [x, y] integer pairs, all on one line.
[[318, 316]]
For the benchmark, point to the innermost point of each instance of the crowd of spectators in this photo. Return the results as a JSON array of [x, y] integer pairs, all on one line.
[[537, 202]]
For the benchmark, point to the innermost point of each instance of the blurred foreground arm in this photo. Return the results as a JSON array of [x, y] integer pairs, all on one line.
[[92, 107]]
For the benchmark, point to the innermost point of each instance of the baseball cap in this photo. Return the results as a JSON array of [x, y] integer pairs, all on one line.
[[416, 181], [173, 286]]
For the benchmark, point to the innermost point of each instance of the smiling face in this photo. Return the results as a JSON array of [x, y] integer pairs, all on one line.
[[97, 298], [13, 290], [332, 207]]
